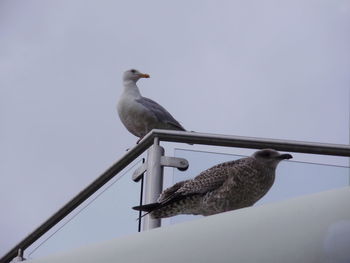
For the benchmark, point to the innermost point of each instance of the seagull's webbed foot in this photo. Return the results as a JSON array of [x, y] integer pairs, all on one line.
[[139, 140]]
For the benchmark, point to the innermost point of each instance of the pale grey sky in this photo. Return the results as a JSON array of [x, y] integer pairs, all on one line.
[[277, 69]]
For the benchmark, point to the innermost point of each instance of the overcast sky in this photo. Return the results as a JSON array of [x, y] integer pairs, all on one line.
[[277, 69]]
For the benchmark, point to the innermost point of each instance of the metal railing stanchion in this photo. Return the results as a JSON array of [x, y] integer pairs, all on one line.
[[153, 181]]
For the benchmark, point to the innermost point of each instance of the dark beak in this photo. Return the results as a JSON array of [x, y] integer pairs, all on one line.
[[285, 156]]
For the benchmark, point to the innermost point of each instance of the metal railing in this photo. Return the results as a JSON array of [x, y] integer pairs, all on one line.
[[153, 138]]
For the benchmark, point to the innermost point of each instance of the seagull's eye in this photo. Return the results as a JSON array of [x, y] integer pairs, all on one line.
[[265, 154], [133, 71]]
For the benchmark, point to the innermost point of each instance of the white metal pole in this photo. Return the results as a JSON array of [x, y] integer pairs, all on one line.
[[153, 181]]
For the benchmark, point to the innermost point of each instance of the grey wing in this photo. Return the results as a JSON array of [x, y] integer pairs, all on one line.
[[161, 114]]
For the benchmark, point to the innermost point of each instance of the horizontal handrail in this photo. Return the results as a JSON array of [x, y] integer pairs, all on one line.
[[175, 136], [252, 142]]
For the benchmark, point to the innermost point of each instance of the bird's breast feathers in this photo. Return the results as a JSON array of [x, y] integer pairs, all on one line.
[[134, 116]]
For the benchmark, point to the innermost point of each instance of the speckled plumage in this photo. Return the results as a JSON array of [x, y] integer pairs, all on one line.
[[223, 187]]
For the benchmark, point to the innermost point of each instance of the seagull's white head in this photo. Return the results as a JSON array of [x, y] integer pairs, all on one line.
[[134, 75], [270, 157]]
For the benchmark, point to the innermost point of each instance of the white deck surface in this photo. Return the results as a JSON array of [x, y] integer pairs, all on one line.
[[313, 228]]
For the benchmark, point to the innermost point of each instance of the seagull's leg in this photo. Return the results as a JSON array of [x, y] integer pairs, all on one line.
[[136, 142], [139, 140]]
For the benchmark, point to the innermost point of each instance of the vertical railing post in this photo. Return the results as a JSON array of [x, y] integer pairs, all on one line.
[[153, 181]]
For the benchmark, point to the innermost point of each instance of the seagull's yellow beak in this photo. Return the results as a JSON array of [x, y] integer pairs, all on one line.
[[144, 76]]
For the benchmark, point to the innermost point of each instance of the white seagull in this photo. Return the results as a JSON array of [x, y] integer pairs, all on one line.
[[139, 114]]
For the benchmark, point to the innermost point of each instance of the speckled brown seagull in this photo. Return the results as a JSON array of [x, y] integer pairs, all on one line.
[[139, 114], [224, 187]]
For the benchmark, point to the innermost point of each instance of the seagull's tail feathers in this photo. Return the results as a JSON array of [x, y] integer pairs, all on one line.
[[147, 208]]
